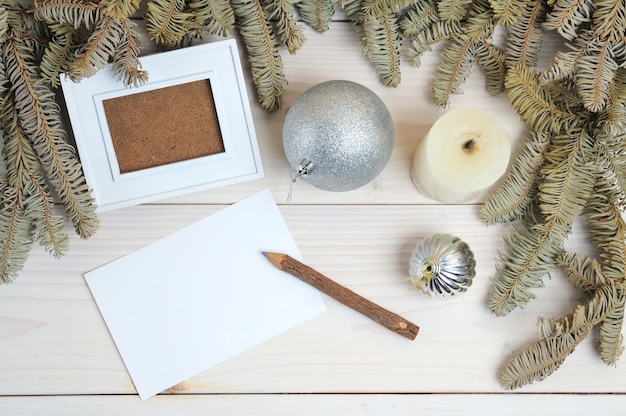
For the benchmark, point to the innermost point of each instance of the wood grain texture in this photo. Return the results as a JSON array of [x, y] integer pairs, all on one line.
[[57, 357], [316, 404], [58, 344]]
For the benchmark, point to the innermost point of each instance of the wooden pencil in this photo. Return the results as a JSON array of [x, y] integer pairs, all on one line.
[[344, 295]]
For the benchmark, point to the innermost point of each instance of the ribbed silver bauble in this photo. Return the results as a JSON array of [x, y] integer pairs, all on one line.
[[338, 135], [442, 266]]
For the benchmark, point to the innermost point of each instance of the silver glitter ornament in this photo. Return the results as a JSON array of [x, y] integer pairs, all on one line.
[[442, 266], [338, 135]]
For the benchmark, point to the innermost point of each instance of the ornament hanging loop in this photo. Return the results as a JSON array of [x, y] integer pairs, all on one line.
[[301, 171]]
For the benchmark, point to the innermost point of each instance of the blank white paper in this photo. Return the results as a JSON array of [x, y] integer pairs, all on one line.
[[202, 294]]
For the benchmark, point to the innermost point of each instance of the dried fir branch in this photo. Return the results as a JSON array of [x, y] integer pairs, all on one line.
[[263, 54], [418, 17], [425, 40], [168, 21], [213, 16], [559, 337], [288, 30], [60, 52], [508, 11], [567, 176], [608, 234], [96, 53], [453, 10], [566, 17], [24, 175], [16, 233], [492, 62], [377, 25], [609, 19], [594, 73], [120, 9], [534, 102], [126, 64], [40, 119], [316, 13], [512, 200], [453, 69], [540, 359], [73, 12], [379, 8], [382, 43], [525, 35], [564, 62]]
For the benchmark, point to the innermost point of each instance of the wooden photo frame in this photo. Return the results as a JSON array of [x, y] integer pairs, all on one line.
[[188, 128]]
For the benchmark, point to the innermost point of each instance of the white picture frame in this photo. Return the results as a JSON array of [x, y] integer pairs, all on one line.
[[217, 62]]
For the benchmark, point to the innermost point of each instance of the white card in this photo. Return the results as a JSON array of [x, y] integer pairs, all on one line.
[[202, 294]]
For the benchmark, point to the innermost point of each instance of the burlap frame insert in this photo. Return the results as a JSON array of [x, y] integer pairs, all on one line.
[[164, 126]]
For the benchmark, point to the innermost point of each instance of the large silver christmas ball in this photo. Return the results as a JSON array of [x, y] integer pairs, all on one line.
[[338, 135]]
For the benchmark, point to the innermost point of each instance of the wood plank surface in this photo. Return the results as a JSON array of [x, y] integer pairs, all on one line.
[[314, 405], [57, 357], [53, 340]]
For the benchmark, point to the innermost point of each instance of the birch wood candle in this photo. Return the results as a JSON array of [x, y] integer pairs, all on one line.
[[465, 152]]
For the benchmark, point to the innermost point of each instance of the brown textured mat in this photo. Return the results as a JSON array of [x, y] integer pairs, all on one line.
[[165, 125]]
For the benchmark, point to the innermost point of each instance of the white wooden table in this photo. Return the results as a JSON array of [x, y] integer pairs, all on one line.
[[57, 357]]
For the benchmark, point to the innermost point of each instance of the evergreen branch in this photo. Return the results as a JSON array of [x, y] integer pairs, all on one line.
[[76, 13], [289, 31], [611, 343], [491, 61], [40, 119], [508, 11], [453, 10], [534, 103], [215, 15], [59, 54], [540, 359], [608, 233], [479, 23], [525, 36], [120, 9], [617, 102], [437, 32], [514, 197], [20, 159], [126, 65], [566, 17], [418, 17], [98, 51], [559, 337], [567, 176], [49, 228], [453, 69], [609, 19], [263, 55], [4, 18], [595, 73], [611, 178], [582, 271], [564, 63], [382, 45], [16, 233], [168, 21], [530, 254], [381, 8], [316, 13]]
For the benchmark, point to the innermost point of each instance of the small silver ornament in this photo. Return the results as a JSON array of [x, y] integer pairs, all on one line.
[[442, 266], [338, 135]]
